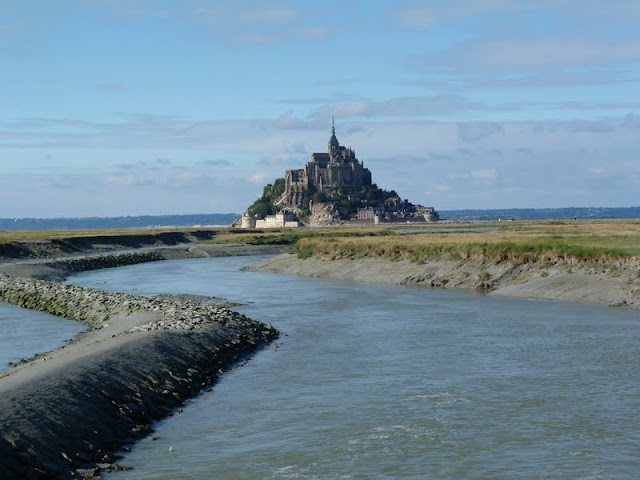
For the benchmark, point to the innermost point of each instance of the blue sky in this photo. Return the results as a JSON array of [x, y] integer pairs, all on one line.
[[128, 107]]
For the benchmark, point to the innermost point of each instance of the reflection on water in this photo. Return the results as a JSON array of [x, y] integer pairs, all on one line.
[[374, 382]]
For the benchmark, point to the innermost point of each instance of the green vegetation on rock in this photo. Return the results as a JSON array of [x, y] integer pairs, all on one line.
[[265, 205], [346, 200]]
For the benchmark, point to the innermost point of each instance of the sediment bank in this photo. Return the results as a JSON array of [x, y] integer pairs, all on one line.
[[74, 243], [59, 268], [616, 283], [65, 414]]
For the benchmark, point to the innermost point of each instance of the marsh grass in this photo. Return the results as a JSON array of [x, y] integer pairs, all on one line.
[[546, 243], [62, 235], [290, 236], [595, 242]]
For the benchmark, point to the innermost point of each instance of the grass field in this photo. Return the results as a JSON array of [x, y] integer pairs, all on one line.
[[513, 241], [48, 235], [520, 242]]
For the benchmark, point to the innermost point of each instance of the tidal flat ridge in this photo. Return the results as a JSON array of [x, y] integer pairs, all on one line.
[[66, 413]]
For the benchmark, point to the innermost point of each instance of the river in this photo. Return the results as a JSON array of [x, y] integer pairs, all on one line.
[[24, 333], [379, 382]]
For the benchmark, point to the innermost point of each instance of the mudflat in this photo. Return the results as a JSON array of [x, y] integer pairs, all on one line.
[[566, 282]]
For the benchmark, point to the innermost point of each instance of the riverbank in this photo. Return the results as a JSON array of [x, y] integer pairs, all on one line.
[[57, 268], [615, 283], [66, 413]]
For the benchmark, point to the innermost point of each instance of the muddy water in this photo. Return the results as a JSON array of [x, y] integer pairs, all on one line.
[[376, 382]]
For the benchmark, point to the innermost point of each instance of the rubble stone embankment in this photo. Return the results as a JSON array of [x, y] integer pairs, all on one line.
[[65, 414]]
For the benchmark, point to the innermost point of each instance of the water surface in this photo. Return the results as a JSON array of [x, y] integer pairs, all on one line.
[[377, 382], [24, 332]]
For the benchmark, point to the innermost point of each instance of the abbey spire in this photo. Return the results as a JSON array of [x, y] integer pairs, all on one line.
[[334, 145]]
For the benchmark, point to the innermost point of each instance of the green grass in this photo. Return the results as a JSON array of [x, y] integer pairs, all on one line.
[[49, 235], [520, 243], [290, 236]]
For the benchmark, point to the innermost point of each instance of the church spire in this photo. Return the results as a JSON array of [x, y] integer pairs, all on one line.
[[334, 145], [333, 141]]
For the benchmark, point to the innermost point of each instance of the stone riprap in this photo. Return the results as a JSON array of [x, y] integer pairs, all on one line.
[[59, 268], [96, 307], [83, 264], [66, 413]]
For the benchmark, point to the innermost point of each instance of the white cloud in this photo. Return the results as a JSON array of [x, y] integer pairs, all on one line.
[[413, 18], [268, 14], [463, 165], [476, 131], [283, 160], [256, 24], [484, 176], [542, 53], [126, 181], [352, 109], [215, 163], [259, 178]]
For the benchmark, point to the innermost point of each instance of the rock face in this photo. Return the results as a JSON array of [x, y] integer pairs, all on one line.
[[323, 215], [65, 414]]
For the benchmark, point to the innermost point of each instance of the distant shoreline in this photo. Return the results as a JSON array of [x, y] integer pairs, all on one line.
[[209, 220]]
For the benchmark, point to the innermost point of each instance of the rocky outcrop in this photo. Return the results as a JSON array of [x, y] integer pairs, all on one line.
[[324, 215]]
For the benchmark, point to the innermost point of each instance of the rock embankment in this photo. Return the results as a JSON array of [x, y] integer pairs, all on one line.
[[75, 244], [65, 414], [59, 268]]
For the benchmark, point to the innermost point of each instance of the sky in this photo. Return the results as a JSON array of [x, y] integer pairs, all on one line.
[[155, 107]]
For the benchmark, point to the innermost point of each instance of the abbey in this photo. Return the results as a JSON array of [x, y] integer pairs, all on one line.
[[339, 167]]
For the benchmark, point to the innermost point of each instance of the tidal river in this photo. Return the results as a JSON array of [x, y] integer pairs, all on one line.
[[378, 382], [24, 333]]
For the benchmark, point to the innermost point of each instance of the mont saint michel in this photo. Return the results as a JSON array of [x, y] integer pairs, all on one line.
[[332, 187]]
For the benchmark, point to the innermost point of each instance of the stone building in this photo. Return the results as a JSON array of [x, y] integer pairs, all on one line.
[[339, 167], [248, 221], [430, 214], [284, 218], [366, 214]]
